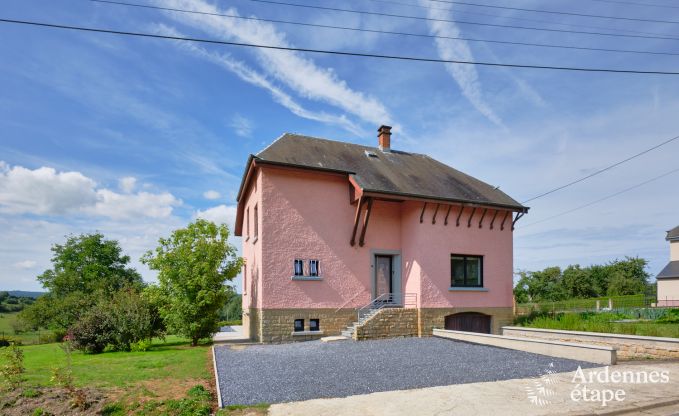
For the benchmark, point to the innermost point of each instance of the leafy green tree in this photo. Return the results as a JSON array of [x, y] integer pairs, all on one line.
[[88, 263], [193, 265], [578, 283], [85, 268]]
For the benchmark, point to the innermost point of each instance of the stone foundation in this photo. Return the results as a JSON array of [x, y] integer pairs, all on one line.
[[277, 325], [389, 323]]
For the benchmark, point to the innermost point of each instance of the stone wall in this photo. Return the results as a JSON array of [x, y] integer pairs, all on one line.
[[628, 346], [431, 318], [389, 323], [277, 325]]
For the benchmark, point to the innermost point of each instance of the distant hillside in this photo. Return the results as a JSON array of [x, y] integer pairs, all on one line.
[[24, 293]]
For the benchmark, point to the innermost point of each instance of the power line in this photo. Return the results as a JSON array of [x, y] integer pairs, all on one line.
[[332, 52], [666, 6], [602, 170], [461, 22], [562, 13], [550, 22], [602, 199], [386, 32]]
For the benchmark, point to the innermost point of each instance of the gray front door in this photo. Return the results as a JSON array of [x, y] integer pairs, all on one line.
[[384, 282]]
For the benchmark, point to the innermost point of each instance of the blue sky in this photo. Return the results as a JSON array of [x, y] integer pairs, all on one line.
[[135, 137]]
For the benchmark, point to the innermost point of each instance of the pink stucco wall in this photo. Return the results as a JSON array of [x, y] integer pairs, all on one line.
[[426, 256], [252, 249], [308, 215]]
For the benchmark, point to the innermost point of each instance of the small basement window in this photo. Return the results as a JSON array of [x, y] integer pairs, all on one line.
[[299, 325], [314, 268], [299, 267], [314, 325]]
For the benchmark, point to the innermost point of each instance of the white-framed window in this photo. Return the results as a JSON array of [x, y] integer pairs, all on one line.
[[299, 267], [314, 268]]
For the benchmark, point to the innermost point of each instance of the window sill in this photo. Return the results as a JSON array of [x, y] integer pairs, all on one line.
[[306, 333], [467, 289], [311, 278]]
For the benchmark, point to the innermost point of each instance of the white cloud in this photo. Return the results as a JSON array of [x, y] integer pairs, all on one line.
[[25, 264], [291, 68], [119, 206], [44, 191], [465, 75], [241, 125], [253, 77], [127, 184], [212, 194], [225, 214]]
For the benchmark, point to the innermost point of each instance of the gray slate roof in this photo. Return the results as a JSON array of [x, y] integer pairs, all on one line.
[[673, 234], [670, 271], [395, 172]]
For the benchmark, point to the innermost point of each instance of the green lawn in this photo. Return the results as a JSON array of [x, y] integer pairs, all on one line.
[[26, 338], [170, 359], [171, 378]]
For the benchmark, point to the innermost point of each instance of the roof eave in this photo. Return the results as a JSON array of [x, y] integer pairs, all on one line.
[[517, 208]]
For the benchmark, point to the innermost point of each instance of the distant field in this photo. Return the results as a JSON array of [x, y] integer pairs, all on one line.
[[26, 338]]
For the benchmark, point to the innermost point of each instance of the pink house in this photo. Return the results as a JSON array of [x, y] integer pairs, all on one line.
[[370, 242]]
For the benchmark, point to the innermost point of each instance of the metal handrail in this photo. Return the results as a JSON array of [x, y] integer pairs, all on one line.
[[347, 302], [383, 300]]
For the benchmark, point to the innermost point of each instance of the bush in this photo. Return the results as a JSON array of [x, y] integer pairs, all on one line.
[[126, 319], [141, 346], [12, 371], [93, 332]]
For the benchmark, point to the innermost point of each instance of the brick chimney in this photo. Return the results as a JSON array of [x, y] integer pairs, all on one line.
[[384, 138]]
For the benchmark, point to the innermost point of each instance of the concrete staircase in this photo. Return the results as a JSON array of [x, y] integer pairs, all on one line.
[[351, 329]]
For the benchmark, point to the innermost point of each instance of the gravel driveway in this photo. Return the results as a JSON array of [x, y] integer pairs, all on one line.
[[309, 370]]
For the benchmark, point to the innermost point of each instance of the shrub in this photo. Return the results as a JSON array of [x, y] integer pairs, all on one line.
[[132, 319], [12, 371], [141, 346], [93, 332], [125, 319]]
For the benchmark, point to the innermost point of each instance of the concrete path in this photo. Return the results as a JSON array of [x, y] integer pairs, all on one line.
[[230, 334], [551, 394]]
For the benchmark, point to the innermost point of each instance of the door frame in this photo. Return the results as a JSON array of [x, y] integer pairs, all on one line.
[[396, 282]]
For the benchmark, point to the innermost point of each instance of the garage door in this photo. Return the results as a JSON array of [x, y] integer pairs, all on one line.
[[469, 321]]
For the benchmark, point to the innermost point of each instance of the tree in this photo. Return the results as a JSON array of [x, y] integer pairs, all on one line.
[[88, 263], [86, 268], [193, 265]]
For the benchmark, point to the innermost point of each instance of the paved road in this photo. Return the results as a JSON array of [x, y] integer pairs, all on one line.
[[308, 370]]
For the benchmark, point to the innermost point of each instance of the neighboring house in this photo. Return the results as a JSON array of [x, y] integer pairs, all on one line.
[[334, 230], [668, 279]]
